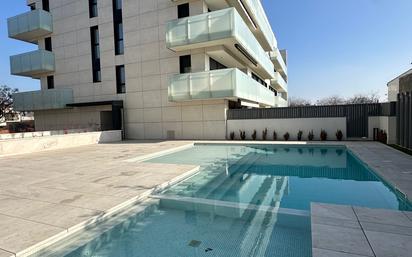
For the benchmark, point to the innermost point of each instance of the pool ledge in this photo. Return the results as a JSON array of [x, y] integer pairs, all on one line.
[[349, 231]]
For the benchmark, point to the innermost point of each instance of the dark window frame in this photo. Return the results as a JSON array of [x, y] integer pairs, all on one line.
[[93, 11], [185, 64], [118, 27], [46, 5], [50, 82], [183, 10], [95, 47], [48, 46], [120, 79]]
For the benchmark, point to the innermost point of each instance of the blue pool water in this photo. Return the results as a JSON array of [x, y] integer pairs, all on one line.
[[286, 176], [246, 200]]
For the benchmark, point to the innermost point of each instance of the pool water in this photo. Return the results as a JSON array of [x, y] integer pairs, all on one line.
[[246, 200], [286, 176]]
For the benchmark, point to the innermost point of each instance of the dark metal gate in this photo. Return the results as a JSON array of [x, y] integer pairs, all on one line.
[[356, 114]]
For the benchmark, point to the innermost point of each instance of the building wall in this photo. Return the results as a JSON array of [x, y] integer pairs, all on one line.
[[149, 66], [394, 88], [405, 84], [75, 118], [292, 126]]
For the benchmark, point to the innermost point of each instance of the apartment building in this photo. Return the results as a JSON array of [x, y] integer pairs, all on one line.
[[158, 69]]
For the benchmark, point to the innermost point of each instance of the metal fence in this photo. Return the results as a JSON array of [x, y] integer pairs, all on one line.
[[404, 120], [356, 114]]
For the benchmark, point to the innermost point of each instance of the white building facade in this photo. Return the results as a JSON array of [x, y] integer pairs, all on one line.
[[158, 69]]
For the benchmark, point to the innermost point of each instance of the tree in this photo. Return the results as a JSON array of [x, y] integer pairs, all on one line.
[[6, 101], [295, 102], [331, 100], [372, 97]]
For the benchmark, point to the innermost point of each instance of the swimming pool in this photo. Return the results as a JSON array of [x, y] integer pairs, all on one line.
[[284, 175], [246, 200]]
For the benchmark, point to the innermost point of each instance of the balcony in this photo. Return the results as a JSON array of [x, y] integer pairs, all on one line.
[[229, 84], [42, 99], [279, 63], [30, 26], [279, 83], [280, 102], [255, 17], [32, 64], [224, 27]]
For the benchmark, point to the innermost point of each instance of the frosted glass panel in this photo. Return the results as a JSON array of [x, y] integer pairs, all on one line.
[[43, 99], [30, 25], [32, 63], [219, 84]]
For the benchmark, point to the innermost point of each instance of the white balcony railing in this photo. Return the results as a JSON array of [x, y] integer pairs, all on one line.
[[43, 99], [278, 62], [32, 64], [279, 83], [219, 84], [30, 26], [214, 28]]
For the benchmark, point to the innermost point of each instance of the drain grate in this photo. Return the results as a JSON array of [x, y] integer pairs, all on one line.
[[194, 243]]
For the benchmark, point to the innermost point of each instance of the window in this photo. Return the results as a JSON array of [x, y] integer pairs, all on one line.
[[215, 65], [95, 44], [32, 6], [118, 27], [185, 64], [46, 5], [120, 79], [48, 44], [183, 10], [50, 82], [93, 8], [258, 79]]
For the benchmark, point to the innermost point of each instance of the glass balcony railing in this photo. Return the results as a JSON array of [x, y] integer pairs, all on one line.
[[213, 29], [278, 62], [279, 83], [30, 26], [259, 14], [32, 64], [42, 100], [219, 84], [280, 102]]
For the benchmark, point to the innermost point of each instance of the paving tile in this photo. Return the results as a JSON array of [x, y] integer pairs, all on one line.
[[390, 245], [340, 239], [6, 254], [18, 234], [327, 253], [378, 227], [333, 211], [409, 214], [390, 217], [336, 222]]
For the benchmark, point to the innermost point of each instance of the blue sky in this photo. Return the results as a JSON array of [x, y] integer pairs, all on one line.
[[339, 47]]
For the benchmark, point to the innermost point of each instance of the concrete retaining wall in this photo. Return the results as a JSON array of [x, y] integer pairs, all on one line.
[[292, 126], [37, 144]]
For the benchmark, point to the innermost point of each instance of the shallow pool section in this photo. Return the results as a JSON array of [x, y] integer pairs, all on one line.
[[165, 229], [281, 175]]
